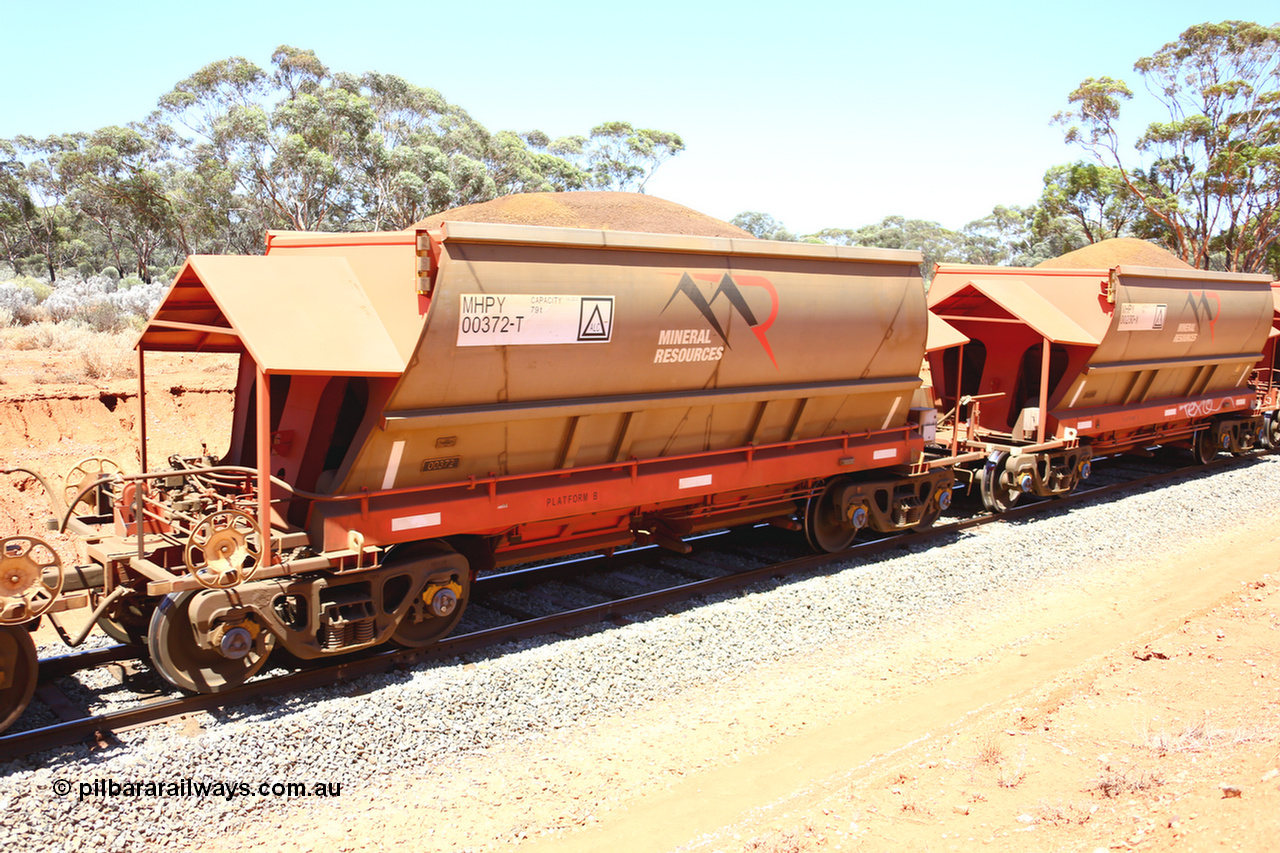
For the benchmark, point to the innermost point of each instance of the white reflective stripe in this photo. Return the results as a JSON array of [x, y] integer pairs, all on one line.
[[1076, 395], [695, 482], [409, 522], [1168, 413], [393, 465], [1084, 425], [887, 453], [892, 412]]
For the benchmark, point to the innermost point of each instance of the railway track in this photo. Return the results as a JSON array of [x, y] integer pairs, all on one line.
[[506, 607]]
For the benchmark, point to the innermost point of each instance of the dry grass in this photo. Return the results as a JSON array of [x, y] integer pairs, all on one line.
[[107, 356], [1064, 814], [913, 807], [990, 752], [1114, 783], [805, 838], [1008, 777], [46, 336], [1203, 736], [103, 355]]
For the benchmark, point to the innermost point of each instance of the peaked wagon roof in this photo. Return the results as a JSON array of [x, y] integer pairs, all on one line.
[[1019, 301], [291, 313]]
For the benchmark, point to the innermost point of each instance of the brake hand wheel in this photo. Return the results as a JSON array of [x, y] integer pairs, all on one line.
[[224, 549], [30, 578]]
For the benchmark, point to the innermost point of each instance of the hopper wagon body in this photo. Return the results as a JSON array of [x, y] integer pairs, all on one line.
[[414, 407], [1266, 377], [1056, 365]]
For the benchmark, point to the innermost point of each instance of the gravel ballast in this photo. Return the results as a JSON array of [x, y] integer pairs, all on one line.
[[357, 733]]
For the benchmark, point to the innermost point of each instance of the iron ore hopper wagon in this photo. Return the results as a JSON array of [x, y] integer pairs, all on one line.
[[414, 407], [1037, 370]]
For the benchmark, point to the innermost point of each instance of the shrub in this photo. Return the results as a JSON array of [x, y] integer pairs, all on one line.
[[112, 273], [142, 300], [68, 299], [39, 287], [102, 283], [129, 281], [19, 303], [102, 316], [105, 356]]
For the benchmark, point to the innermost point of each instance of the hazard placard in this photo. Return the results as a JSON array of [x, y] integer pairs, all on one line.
[[595, 320], [516, 319], [1142, 316]]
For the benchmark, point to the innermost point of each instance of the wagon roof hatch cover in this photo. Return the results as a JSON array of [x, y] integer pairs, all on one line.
[[293, 314], [1021, 302]]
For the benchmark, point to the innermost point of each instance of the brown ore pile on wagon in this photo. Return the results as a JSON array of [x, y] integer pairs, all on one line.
[[602, 211], [1109, 254]]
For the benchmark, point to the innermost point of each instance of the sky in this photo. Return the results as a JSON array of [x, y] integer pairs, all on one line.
[[821, 114]]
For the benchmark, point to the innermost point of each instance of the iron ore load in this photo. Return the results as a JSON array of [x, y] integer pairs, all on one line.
[[414, 407]]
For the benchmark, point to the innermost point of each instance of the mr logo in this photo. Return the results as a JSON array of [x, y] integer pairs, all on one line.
[[1211, 309], [729, 289]]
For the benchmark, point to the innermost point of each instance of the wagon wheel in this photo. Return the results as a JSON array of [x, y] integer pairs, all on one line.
[[437, 608], [126, 620], [223, 549], [30, 578], [825, 526], [1203, 448], [999, 490], [84, 474], [939, 502], [18, 666], [183, 663], [1271, 431]]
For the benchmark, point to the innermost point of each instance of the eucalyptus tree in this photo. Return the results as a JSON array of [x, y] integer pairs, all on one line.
[[15, 204], [290, 142], [50, 224], [621, 157], [936, 243], [1001, 238], [762, 225], [1213, 176], [120, 186], [1094, 196], [424, 155], [194, 122]]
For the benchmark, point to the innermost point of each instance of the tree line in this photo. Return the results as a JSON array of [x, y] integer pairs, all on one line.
[[1081, 203], [1208, 188], [235, 149]]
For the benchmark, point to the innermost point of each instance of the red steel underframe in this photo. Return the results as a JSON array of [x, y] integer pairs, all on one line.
[[1116, 427], [545, 501]]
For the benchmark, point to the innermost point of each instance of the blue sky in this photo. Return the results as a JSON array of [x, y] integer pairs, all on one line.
[[821, 114]]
